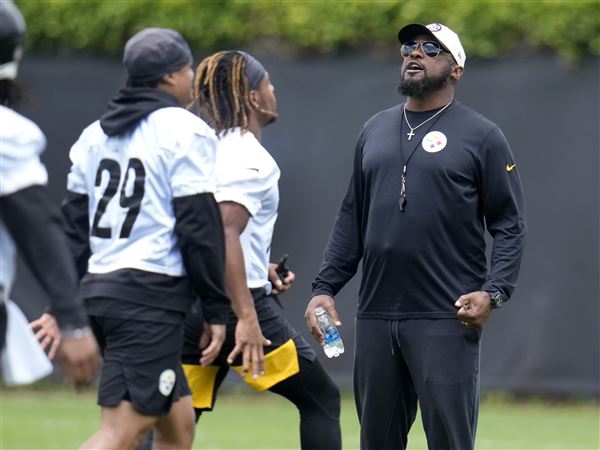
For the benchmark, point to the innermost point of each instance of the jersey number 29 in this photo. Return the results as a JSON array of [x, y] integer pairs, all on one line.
[[132, 202]]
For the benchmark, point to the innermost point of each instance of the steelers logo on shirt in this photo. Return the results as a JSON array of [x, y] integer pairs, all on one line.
[[434, 141], [166, 382]]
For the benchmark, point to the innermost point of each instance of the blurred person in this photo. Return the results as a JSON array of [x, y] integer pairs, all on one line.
[[147, 236], [235, 97], [29, 221], [430, 176]]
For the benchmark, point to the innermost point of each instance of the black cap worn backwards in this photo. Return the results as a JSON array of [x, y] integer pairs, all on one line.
[[155, 52]]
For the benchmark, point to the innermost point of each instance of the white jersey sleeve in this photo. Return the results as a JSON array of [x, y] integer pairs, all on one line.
[[245, 171], [76, 181], [21, 144], [248, 175], [193, 170]]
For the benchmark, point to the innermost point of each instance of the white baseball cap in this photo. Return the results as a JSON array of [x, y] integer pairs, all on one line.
[[444, 35]]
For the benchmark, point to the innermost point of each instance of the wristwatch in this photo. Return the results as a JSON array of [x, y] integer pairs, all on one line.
[[498, 299], [70, 332]]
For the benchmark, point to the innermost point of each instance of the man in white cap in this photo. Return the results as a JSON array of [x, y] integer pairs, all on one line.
[[147, 234], [430, 176]]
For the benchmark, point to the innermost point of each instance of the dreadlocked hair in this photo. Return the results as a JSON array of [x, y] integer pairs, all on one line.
[[221, 91]]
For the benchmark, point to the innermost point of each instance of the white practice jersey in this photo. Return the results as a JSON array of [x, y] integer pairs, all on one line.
[[248, 175], [21, 144], [131, 181]]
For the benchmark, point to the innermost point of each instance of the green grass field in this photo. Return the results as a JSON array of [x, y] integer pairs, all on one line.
[[56, 418]]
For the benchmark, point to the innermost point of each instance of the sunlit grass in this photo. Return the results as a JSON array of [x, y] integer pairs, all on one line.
[[58, 418]]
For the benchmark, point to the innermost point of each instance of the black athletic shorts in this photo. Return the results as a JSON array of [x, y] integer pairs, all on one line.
[[141, 364], [281, 357]]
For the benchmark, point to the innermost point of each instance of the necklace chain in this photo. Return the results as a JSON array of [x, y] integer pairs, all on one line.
[[411, 133]]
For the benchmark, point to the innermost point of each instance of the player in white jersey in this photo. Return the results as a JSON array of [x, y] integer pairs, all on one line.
[[30, 222], [146, 232], [235, 96]]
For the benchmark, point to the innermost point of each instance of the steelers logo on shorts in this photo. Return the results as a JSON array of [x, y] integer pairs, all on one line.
[[166, 382], [434, 141]]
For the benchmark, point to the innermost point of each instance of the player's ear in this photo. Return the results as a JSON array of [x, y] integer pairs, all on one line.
[[167, 79], [254, 98]]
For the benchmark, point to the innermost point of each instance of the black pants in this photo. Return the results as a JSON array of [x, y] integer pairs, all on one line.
[[400, 362], [317, 398]]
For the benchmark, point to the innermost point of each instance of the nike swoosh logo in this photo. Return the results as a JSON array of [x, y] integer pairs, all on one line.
[[510, 167], [252, 168]]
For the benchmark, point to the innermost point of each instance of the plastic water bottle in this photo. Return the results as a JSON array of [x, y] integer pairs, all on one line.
[[334, 346]]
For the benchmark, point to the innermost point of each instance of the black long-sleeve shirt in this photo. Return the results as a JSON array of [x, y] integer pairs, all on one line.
[[35, 225], [417, 262]]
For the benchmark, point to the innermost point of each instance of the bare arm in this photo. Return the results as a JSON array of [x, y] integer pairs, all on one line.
[[248, 336]]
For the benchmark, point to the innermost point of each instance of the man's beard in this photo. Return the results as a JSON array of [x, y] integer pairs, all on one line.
[[419, 88]]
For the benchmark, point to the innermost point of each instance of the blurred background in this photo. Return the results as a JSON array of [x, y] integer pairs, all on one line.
[[532, 68]]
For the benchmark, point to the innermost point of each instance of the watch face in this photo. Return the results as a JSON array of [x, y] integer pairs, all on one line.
[[497, 300]]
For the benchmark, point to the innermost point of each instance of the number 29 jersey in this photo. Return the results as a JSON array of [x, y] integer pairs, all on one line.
[[131, 181]]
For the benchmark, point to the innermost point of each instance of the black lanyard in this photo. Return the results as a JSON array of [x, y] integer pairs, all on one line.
[[404, 166], [402, 201]]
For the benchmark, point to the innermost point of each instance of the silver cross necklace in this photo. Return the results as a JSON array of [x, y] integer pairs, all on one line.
[[411, 133]]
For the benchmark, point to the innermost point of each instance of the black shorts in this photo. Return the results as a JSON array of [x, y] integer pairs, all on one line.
[[141, 364], [281, 357]]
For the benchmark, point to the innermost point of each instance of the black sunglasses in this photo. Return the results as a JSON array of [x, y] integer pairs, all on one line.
[[430, 48]]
